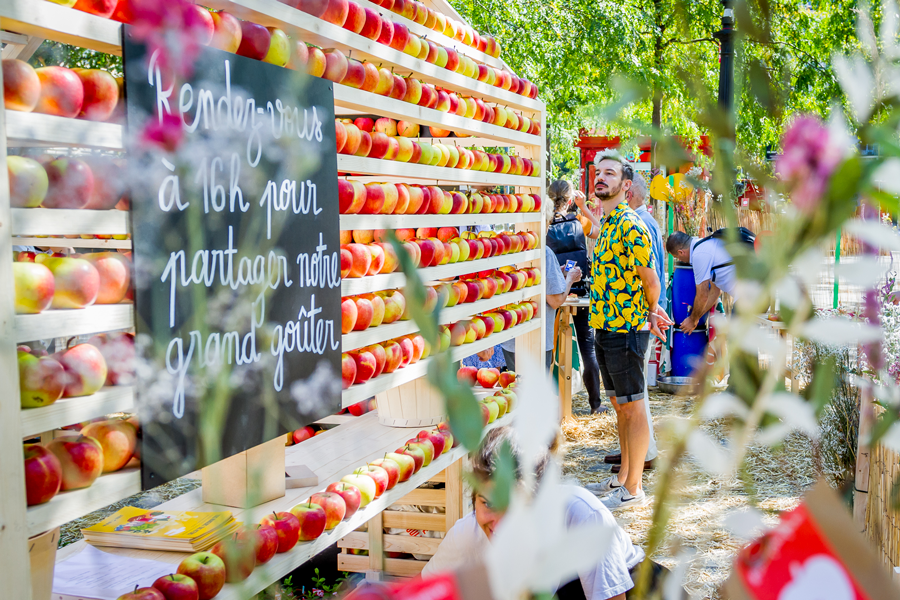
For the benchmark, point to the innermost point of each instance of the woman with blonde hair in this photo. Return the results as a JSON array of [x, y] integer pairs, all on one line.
[[565, 236]]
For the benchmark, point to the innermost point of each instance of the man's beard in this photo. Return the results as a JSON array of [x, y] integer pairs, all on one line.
[[608, 192]]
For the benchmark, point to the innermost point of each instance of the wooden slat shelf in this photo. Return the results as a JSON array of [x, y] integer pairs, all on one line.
[[54, 22], [392, 543], [387, 381], [62, 221], [68, 411], [387, 170], [396, 567], [390, 281], [271, 13], [368, 103], [374, 335], [331, 456], [438, 38], [416, 221], [69, 323], [66, 506], [44, 242], [34, 129]]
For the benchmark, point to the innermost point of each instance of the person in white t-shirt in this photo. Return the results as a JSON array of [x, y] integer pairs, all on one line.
[[714, 272], [611, 578]]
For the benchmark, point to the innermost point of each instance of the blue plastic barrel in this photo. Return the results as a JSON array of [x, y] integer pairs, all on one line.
[[683, 292], [688, 352]]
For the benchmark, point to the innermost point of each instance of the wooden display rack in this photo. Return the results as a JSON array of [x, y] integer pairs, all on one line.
[[25, 24], [377, 543]]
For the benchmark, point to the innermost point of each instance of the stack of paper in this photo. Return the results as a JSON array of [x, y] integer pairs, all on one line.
[[156, 530]]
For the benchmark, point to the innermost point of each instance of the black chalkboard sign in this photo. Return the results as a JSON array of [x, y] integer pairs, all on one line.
[[236, 253]]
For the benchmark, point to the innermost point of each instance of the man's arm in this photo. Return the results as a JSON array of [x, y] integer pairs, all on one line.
[[580, 202], [557, 300], [659, 321], [705, 299]]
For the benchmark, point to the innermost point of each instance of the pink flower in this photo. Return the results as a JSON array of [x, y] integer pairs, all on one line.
[[167, 135], [174, 27], [809, 157]]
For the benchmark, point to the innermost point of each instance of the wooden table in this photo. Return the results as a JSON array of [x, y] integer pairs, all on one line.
[[564, 344], [330, 455]]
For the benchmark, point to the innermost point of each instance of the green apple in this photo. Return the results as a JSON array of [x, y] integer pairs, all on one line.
[[364, 483], [279, 48]]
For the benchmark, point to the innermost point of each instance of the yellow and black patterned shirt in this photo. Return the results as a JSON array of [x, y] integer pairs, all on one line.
[[617, 293]]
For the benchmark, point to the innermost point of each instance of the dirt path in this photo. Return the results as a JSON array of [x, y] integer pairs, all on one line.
[[777, 479]]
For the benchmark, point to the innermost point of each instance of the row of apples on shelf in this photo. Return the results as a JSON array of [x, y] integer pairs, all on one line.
[[362, 364], [387, 139], [356, 197], [368, 252], [45, 281], [360, 312]]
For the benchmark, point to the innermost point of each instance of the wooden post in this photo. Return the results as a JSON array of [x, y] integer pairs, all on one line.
[[564, 341], [248, 479], [13, 530], [454, 489], [861, 491], [375, 529]]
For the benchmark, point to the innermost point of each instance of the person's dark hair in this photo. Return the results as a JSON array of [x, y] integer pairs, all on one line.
[[483, 461], [677, 241], [627, 169], [560, 193]]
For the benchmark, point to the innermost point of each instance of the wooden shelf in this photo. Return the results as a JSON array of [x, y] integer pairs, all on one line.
[[331, 456], [54, 22], [69, 323], [67, 506], [68, 411], [374, 335], [61, 221], [438, 38], [364, 102], [350, 222], [387, 381], [34, 129], [401, 172], [44, 242], [374, 283], [272, 13]]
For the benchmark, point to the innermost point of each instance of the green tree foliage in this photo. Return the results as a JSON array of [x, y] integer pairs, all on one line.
[[55, 53], [580, 51]]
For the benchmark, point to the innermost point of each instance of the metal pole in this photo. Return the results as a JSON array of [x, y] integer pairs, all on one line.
[[837, 261], [726, 55]]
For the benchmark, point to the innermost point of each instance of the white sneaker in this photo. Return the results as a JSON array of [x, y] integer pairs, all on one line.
[[604, 487], [622, 498]]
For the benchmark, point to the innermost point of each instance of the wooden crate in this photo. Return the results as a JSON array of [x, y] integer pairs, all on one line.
[[373, 539]]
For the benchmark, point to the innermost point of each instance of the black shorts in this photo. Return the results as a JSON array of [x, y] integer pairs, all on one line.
[[621, 359]]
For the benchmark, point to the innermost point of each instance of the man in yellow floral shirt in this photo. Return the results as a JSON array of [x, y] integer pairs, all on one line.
[[624, 312]]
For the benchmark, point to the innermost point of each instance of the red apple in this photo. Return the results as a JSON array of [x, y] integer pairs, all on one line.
[[415, 452], [143, 594], [334, 506], [264, 540], [100, 94], [207, 570], [177, 587], [81, 459], [43, 474], [21, 85], [227, 34], [391, 468], [350, 494], [62, 93], [85, 370], [312, 519], [287, 529], [117, 438], [42, 380], [239, 556], [348, 370], [437, 441], [255, 40], [71, 183]]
